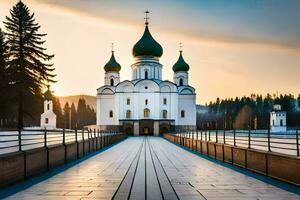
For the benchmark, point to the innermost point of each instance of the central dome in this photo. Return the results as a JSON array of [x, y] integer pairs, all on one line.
[[147, 46]]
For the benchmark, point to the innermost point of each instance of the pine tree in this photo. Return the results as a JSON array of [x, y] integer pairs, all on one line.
[[58, 111], [3, 75], [29, 64], [73, 116], [66, 115]]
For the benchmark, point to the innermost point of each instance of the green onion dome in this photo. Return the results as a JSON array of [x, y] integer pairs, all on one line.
[[48, 95], [180, 65], [112, 65], [147, 46]]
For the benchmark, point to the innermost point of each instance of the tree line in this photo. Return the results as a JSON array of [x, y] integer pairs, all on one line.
[[25, 67], [249, 111], [25, 71], [71, 116]]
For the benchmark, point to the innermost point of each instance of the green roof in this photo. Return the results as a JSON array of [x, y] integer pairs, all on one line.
[[181, 65], [147, 46], [112, 65], [48, 95]]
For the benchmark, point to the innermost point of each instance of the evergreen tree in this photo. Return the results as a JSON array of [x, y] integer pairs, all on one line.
[[66, 115], [4, 106], [28, 65], [58, 111], [73, 116], [81, 112], [298, 100]]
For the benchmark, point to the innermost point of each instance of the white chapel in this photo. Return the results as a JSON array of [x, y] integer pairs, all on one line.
[[146, 104]]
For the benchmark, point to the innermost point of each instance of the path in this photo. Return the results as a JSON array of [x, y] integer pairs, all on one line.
[[151, 168]]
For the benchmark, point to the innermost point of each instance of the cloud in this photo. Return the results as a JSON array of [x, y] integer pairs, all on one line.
[[270, 22]]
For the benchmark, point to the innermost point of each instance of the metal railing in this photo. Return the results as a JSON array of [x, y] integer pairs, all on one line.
[[283, 142], [15, 140]]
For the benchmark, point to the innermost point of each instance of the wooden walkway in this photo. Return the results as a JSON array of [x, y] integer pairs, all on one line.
[[151, 168]]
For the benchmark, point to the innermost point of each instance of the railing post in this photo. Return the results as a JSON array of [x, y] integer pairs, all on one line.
[[64, 136], [89, 140], [209, 129], [216, 131], [297, 142], [76, 135], [224, 137], [249, 137], [83, 143], [269, 141], [45, 137], [234, 142], [20, 139], [101, 141], [95, 140], [64, 143], [76, 141], [201, 137]]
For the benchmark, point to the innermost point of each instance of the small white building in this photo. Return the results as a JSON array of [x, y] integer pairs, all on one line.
[[146, 104], [277, 119], [48, 118]]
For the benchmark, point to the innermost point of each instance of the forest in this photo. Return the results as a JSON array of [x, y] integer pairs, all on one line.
[[248, 111]]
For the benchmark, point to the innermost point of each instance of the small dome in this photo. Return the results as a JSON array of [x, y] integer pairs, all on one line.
[[180, 65], [112, 65], [48, 95], [147, 46]]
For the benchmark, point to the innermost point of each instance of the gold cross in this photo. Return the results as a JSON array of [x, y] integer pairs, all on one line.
[[146, 17], [112, 47], [180, 46]]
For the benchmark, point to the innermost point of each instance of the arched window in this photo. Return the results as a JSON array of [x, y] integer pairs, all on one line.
[[146, 101], [111, 82], [181, 82], [165, 101], [281, 122], [146, 113], [128, 101], [165, 114], [128, 114], [182, 114], [146, 74], [111, 114], [48, 106]]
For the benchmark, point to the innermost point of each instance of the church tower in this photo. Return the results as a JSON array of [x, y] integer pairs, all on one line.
[[147, 53], [48, 118], [181, 68], [112, 71]]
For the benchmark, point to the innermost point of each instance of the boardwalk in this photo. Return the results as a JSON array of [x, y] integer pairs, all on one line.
[[151, 168]]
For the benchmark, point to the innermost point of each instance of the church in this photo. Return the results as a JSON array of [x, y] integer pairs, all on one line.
[[146, 104]]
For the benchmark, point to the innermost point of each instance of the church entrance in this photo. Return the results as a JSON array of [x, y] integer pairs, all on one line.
[[146, 127], [146, 131]]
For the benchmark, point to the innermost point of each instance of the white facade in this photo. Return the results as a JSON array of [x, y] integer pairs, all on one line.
[[48, 118], [146, 104], [278, 120]]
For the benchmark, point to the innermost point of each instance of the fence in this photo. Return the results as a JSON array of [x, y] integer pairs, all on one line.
[[29, 152], [284, 142], [19, 140]]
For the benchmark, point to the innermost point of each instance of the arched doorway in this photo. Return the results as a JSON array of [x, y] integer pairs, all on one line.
[[164, 128], [146, 131], [146, 127], [128, 131]]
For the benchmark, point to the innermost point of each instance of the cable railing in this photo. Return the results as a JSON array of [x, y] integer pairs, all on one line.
[[14, 140], [265, 140]]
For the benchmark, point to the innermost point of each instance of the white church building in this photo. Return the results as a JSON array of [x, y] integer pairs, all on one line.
[[48, 117], [146, 104]]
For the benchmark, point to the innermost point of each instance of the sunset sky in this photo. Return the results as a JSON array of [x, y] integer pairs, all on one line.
[[233, 47]]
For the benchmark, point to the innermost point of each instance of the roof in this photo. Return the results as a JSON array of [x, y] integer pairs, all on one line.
[[147, 46], [180, 65], [112, 65]]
